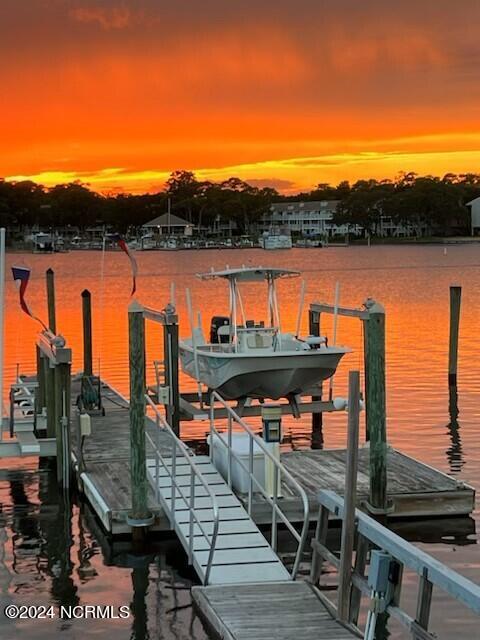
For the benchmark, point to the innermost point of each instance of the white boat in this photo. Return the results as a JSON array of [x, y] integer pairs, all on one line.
[[147, 242], [276, 238], [247, 358]]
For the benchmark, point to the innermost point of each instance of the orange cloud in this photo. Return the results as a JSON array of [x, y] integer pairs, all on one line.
[[151, 86], [108, 18]]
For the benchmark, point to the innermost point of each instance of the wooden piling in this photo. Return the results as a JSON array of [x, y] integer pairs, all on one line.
[[49, 374], [455, 301], [87, 333], [40, 394], [376, 405], [52, 323], [317, 418], [348, 525], [139, 515], [62, 422], [365, 371], [170, 351]]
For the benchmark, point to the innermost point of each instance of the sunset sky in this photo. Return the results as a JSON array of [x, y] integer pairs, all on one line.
[[285, 93]]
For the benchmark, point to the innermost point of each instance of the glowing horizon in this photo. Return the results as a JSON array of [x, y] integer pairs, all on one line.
[[119, 94]]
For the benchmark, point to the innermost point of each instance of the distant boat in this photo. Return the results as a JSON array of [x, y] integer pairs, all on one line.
[[276, 238], [147, 242], [43, 242], [245, 358]]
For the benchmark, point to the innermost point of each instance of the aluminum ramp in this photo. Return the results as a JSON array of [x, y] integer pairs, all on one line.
[[241, 554]]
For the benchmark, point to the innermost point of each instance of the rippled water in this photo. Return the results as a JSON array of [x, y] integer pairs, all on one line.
[[50, 552]]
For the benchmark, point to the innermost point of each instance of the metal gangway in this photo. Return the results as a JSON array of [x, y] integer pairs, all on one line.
[[217, 531]]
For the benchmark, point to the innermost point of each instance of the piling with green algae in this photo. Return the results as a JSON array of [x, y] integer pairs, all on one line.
[[376, 404], [140, 516]]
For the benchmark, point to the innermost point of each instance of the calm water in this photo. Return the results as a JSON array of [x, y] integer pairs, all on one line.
[[55, 553]]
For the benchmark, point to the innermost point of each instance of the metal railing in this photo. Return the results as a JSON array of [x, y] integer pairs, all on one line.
[[180, 450], [371, 534], [280, 473]]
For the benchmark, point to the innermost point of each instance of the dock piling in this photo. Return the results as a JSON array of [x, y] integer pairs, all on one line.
[[376, 405], [40, 394], [87, 333], [348, 524], [140, 515], [62, 422], [455, 301], [50, 277], [317, 418], [49, 377], [170, 352]]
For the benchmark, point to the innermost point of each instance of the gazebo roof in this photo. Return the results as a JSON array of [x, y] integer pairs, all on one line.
[[166, 220]]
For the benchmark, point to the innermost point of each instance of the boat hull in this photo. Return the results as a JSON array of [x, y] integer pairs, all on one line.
[[274, 376]]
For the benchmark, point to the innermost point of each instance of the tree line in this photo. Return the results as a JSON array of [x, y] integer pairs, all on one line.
[[410, 198]]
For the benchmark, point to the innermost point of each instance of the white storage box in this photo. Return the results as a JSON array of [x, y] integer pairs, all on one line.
[[241, 448]]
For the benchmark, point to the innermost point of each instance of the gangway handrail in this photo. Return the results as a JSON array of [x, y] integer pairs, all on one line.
[[195, 473], [371, 534], [281, 470]]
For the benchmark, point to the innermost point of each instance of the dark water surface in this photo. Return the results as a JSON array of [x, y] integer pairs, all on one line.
[[55, 553]]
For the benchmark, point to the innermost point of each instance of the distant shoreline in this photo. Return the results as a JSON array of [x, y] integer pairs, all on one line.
[[453, 240]]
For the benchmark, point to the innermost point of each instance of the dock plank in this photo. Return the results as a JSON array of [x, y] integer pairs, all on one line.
[[283, 610]]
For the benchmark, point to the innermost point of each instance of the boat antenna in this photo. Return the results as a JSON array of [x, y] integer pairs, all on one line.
[[194, 345], [335, 324], [300, 308], [172, 294]]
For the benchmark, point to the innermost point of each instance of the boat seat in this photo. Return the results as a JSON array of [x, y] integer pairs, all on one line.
[[259, 341], [224, 330], [316, 341]]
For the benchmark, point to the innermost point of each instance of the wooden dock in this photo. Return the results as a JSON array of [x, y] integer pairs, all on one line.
[[417, 490], [105, 478], [282, 610]]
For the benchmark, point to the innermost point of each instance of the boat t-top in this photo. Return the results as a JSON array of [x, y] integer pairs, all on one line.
[[247, 358]]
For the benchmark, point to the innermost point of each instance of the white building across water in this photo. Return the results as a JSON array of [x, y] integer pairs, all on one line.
[[475, 215], [307, 218], [315, 218]]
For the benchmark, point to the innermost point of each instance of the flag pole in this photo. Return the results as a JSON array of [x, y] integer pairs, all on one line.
[[2, 318]]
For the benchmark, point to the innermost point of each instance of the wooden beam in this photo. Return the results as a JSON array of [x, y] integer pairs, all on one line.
[[321, 307]]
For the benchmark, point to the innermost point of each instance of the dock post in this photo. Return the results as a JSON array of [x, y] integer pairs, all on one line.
[[140, 516], [170, 352], [376, 405], [350, 497], [52, 323], [87, 333], [455, 300], [317, 418], [62, 422], [49, 376], [40, 395], [365, 372]]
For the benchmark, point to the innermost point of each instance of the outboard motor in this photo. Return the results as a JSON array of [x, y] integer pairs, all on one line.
[[217, 322]]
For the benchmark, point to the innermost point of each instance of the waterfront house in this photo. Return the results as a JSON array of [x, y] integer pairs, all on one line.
[[307, 218], [316, 218], [474, 215]]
